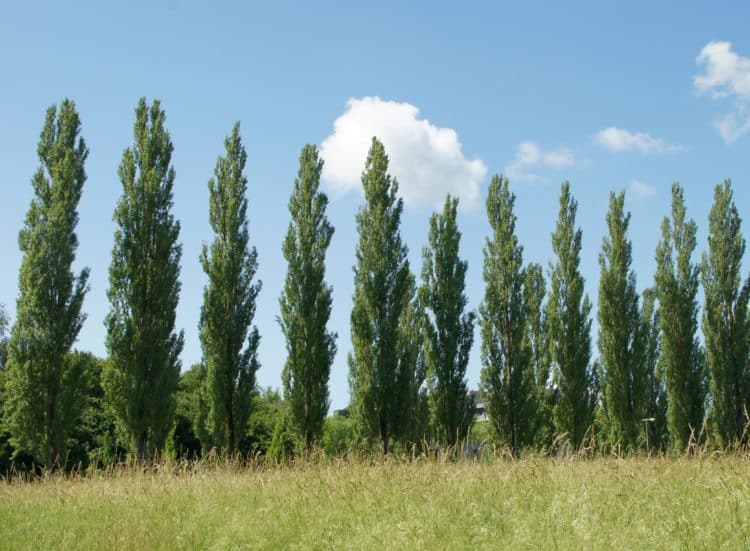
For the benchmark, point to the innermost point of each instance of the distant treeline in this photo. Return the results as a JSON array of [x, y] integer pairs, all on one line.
[[655, 386]]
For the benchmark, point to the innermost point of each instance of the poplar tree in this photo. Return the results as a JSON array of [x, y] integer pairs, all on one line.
[[383, 363], [43, 386], [569, 315], [142, 375], [621, 338], [306, 302], [657, 433], [230, 345], [537, 339], [726, 327], [449, 329], [682, 356], [507, 373]]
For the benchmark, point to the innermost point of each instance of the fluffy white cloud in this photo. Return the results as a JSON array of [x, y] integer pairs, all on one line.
[[427, 160], [529, 155], [620, 139], [642, 190], [727, 75]]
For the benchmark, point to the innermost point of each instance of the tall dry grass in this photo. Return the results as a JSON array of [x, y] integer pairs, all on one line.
[[365, 503]]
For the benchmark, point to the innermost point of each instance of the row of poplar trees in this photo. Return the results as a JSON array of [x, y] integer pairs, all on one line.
[[43, 384], [654, 381]]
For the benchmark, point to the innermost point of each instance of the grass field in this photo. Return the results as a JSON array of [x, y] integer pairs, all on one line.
[[422, 504]]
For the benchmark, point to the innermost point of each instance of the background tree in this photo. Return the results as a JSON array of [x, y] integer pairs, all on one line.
[[382, 321], [44, 387], [143, 372], [6, 449], [537, 341], [229, 344], [621, 338], [4, 324], [726, 327], [449, 330], [657, 434], [568, 314], [682, 356], [306, 303], [507, 373], [93, 438]]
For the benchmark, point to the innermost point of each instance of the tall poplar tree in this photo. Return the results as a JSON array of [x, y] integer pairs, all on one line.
[[142, 375], [537, 339], [569, 315], [726, 327], [230, 345], [449, 329], [621, 337], [383, 360], [682, 356], [44, 388], [306, 302], [507, 373]]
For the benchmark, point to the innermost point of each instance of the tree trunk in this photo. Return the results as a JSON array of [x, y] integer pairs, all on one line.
[[384, 436], [230, 432], [50, 447], [141, 440]]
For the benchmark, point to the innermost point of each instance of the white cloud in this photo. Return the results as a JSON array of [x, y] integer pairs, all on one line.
[[426, 160], [559, 159], [529, 155], [733, 125], [642, 190], [727, 75], [620, 139]]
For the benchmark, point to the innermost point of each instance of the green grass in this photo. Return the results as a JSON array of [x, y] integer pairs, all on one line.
[[624, 504]]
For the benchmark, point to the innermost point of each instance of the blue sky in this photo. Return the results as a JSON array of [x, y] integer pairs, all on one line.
[[608, 95]]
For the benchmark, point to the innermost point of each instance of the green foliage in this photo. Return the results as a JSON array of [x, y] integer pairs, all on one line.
[[657, 431], [482, 433], [4, 324], [268, 411], [726, 327], [229, 345], [189, 437], [143, 372], [385, 374], [681, 353], [538, 343], [568, 314], [6, 449], [449, 330], [621, 337], [283, 440], [507, 373], [306, 303], [93, 441], [339, 436], [44, 387]]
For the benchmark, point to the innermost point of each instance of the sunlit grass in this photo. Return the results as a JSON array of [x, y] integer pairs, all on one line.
[[421, 504]]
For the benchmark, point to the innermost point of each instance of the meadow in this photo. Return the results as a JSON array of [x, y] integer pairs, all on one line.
[[607, 502]]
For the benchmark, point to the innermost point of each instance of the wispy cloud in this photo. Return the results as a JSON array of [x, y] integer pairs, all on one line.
[[529, 156], [726, 76], [620, 139], [427, 160], [642, 190]]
